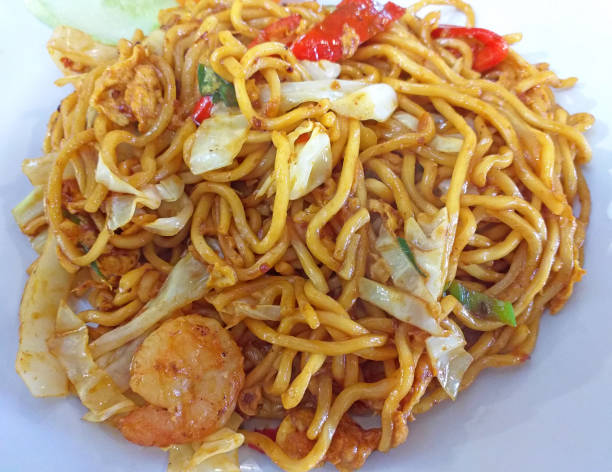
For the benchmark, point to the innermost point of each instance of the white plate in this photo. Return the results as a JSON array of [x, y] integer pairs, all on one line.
[[552, 414]]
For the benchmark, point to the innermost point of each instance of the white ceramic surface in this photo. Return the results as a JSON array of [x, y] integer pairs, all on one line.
[[552, 414]]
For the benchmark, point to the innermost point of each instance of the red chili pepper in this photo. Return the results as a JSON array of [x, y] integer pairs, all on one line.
[[270, 432], [282, 31], [490, 50], [342, 31], [202, 109]]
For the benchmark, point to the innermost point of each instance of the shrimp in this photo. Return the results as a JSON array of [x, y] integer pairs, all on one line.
[[190, 371]]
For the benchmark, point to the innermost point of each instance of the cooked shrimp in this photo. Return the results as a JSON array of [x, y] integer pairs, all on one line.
[[190, 371]]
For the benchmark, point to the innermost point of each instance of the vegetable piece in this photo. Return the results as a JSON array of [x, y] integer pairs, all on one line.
[[95, 16], [75, 52], [374, 102], [217, 453], [218, 141], [187, 281], [399, 304], [427, 239], [295, 93], [148, 196], [403, 273], [30, 207], [489, 49], [94, 387], [342, 31], [282, 30], [47, 286], [449, 358], [117, 363], [408, 252], [202, 109], [210, 83], [182, 209], [351, 98], [450, 144], [312, 164], [94, 265], [37, 170], [482, 305], [321, 70]]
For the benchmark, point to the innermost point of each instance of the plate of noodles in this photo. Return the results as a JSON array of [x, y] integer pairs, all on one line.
[[249, 235]]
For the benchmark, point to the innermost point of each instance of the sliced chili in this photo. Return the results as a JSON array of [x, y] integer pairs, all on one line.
[[282, 31], [339, 35], [202, 109], [490, 48]]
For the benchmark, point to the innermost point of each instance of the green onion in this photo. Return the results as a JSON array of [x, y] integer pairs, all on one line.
[[483, 305], [94, 265], [410, 255], [75, 219], [210, 83]]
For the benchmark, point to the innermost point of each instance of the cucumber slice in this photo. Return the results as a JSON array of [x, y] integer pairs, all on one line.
[[106, 20]]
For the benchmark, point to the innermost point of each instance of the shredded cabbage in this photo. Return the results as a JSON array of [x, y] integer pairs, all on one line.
[[403, 273], [402, 305], [321, 70], [149, 195], [38, 169], [79, 47], [155, 41], [351, 98], [449, 358], [47, 286], [374, 102], [218, 141], [94, 387], [450, 144], [30, 207], [427, 240], [294, 93], [171, 225], [217, 453], [312, 164], [117, 363], [186, 282]]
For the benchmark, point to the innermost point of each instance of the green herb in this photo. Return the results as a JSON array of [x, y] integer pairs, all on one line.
[[94, 264], [210, 83], [410, 255], [483, 305], [75, 219]]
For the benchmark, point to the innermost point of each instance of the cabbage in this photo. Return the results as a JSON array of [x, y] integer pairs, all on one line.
[[117, 363], [171, 225], [108, 20], [449, 358], [427, 239], [149, 196], [30, 207], [321, 70], [351, 98], [171, 188], [403, 273], [38, 241], [218, 141], [78, 47], [94, 387], [374, 102], [217, 453], [450, 144], [312, 164], [186, 283], [38, 170], [295, 93], [401, 305], [155, 42], [122, 207], [47, 286]]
